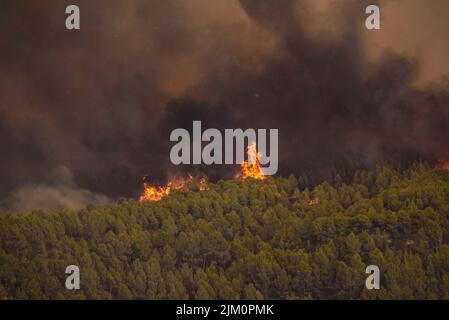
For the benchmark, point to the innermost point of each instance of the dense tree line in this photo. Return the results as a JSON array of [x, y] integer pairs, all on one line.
[[279, 238]]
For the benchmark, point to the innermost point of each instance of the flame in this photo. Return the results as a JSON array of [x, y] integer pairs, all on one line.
[[251, 168], [156, 193]]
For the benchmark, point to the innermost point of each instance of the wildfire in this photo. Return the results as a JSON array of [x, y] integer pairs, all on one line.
[[251, 168], [156, 193]]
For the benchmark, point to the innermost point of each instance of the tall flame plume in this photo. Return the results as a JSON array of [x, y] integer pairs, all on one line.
[[251, 169]]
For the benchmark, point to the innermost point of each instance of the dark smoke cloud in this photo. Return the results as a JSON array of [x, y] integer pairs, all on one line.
[[101, 101], [330, 104]]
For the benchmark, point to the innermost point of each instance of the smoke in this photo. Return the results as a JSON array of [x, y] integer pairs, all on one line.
[[331, 104], [61, 194], [101, 101]]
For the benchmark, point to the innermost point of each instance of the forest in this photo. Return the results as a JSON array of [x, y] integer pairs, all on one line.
[[277, 238]]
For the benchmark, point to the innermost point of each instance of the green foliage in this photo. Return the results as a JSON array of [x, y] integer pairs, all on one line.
[[243, 240]]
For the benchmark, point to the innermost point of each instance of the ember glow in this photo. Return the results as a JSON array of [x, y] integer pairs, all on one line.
[[251, 168]]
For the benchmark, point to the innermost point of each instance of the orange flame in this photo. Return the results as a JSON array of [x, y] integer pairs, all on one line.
[[152, 193], [251, 168], [156, 193]]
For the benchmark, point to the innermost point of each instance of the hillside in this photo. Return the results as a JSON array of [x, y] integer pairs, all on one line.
[[275, 239]]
